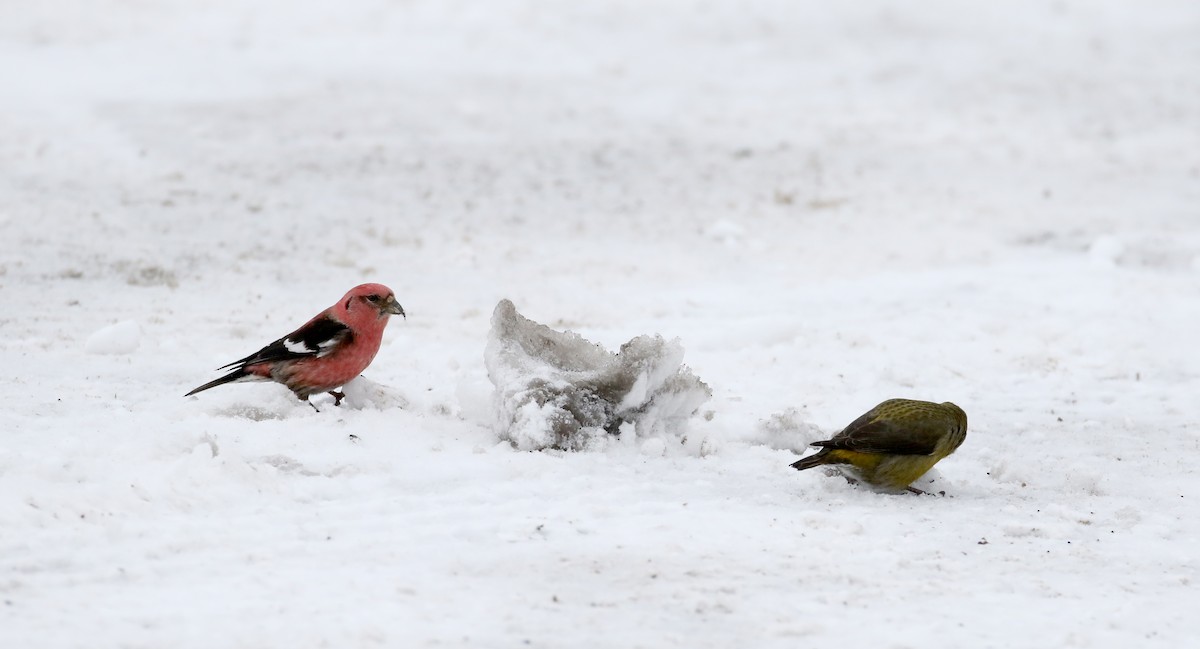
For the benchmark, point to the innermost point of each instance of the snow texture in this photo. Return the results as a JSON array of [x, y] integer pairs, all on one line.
[[554, 389], [829, 203]]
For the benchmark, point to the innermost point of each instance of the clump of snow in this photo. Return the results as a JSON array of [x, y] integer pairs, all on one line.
[[654, 446], [120, 338], [363, 393], [788, 430], [555, 389]]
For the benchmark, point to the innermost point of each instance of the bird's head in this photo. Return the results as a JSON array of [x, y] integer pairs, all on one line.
[[372, 298], [960, 416]]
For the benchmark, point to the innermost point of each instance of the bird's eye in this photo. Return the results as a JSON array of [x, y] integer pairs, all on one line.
[[372, 298]]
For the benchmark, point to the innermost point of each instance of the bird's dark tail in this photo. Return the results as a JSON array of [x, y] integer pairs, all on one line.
[[811, 461], [236, 375]]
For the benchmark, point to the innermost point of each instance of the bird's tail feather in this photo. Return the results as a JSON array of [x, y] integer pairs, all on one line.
[[236, 375]]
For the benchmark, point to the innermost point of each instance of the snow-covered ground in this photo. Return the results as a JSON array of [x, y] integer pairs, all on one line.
[[829, 204]]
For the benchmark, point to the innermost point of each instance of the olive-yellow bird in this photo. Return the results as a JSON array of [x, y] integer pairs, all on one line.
[[894, 443]]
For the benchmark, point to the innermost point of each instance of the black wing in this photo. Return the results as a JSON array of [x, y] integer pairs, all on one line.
[[320, 337], [870, 435]]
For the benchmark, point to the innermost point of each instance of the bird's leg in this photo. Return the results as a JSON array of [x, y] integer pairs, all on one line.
[[337, 397], [849, 478], [924, 493], [305, 400]]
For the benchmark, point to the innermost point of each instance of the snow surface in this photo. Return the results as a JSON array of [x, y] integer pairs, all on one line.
[[993, 204]]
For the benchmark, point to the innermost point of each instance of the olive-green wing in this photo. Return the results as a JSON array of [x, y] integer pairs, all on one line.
[[870, 435]]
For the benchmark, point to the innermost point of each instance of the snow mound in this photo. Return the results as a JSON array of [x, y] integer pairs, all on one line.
[[789, 430], [120, 338], [555, 389], [365, 394]]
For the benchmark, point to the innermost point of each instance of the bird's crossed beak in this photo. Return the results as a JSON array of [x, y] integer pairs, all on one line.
[[390, 305]]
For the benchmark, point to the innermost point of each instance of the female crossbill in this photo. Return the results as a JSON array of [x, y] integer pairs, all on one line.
[[894, 443]]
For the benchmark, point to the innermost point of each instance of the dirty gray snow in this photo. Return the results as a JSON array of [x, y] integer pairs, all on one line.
[[554, 389]]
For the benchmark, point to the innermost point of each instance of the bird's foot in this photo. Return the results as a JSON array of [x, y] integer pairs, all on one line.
[[305, 400], [337, 397], [914, 490]]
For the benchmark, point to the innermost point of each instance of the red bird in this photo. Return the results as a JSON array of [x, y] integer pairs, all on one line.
[[327, 352]]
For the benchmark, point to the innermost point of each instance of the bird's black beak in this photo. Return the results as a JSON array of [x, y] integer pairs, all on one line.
[[390, 305]]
